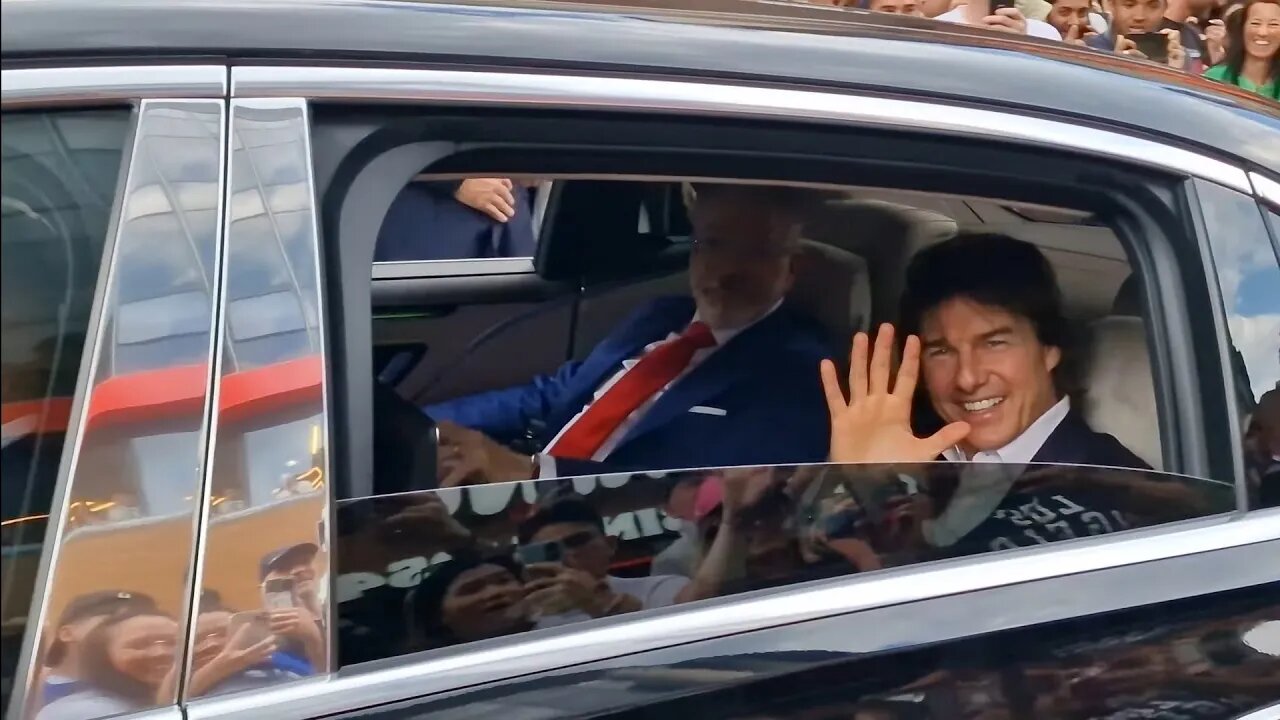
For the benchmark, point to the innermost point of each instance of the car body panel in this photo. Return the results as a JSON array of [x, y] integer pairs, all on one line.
[[875, 55]]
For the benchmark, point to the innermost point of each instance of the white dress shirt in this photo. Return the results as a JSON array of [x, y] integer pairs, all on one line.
[[546, 463], [982, 488]]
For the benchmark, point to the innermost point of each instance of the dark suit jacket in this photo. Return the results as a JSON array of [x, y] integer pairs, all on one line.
[[1073, 442], [765, 380], [425, 222]]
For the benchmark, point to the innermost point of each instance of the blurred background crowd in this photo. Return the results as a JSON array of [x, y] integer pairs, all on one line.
[[1233, 42]]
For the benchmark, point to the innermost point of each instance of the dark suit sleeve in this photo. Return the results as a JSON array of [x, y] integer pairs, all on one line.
[[505, 414]]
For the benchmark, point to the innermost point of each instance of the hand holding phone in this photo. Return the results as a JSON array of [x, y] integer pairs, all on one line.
[[1153, 45], [278, 594], [247, 629], [537, 553]]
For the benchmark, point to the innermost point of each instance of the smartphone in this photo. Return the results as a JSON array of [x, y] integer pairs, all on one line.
[[260, 628], [546, 552], [998, 4], [1154, 45], [277, 594]]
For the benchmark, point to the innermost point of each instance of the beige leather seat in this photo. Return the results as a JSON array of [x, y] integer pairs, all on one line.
[[1119, 390]]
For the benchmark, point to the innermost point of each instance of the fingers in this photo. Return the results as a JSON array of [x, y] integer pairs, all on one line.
[[947, 437], [858, 368], [831, 387], [495, 212], [909, 371], [881, 361]]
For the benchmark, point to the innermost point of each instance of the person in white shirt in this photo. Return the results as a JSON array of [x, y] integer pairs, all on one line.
[[1007, 19], [990, 341]]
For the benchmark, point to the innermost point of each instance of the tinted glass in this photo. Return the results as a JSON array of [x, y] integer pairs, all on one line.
[[432, 569], [59, 184], [1249, 276]]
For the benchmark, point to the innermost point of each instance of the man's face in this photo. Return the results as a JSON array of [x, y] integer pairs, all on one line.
[[1066, 13], [585, 547], [984, 365], [896, 7], [1137, 16], [742, 259]]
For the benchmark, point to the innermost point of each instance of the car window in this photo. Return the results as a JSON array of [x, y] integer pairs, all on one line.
[[59, 185], [1249, 278], [470, 219], [426, 570]]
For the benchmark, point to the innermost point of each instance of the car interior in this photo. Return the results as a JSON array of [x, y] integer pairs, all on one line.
[[454, 329]]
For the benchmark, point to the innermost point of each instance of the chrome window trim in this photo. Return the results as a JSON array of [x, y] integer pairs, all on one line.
[[1266, 188], [23, 87], [452, 268], [704, 98], [28, 656], [497, 660], [96, 338]]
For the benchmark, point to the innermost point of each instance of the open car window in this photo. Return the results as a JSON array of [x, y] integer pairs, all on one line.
[[426, 570]]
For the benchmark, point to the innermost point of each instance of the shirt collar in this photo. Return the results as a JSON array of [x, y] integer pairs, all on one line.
[[1023, 448], [724, 335]]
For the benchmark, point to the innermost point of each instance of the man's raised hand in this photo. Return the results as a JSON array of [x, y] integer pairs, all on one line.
[[874, 425]]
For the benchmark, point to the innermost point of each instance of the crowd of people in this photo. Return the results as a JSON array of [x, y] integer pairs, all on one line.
[[117, 651], [1226, 40]]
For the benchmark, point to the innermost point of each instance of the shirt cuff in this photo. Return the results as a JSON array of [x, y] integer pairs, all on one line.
[[546, 466]]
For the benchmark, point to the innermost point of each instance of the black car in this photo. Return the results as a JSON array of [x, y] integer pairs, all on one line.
[[266, 261]]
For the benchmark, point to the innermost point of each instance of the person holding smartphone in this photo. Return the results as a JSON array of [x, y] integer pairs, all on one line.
[[999, 15], [289, 596], [1139, 29]]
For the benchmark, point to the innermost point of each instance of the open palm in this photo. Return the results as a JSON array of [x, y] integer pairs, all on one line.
[[874, 425]]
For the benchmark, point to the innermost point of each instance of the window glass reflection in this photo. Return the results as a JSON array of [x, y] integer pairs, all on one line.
[[1249, 276], [436, 568]]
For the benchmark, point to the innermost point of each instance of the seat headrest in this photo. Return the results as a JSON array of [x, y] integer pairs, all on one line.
[[1119, 396], [1128, 300], [833, 288]]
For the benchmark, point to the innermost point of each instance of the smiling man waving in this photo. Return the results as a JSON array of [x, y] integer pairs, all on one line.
[[984, 315]]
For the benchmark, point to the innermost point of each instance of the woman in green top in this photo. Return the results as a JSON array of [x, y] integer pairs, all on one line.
[[1253, 49]]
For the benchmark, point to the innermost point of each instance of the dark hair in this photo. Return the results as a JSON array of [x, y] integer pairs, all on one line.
[[426, 603], [100, 673], [570, 510], [990, 269], [1235, 48]]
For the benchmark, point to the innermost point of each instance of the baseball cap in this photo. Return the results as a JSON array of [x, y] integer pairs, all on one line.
[[302, 552]]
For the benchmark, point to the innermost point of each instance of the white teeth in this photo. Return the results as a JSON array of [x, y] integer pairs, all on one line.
[[980, 405]]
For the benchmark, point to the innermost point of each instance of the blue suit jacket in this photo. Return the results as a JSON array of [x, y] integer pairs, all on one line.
[[765, 380]]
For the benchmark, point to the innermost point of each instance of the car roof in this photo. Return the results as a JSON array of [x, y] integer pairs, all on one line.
[[739, 40]]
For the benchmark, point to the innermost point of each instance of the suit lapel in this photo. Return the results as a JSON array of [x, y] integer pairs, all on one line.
[[726, 366], [607, 358], [1067, 443]]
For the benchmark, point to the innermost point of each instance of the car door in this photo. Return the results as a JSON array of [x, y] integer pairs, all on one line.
[[898, 613], [113, 197]]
